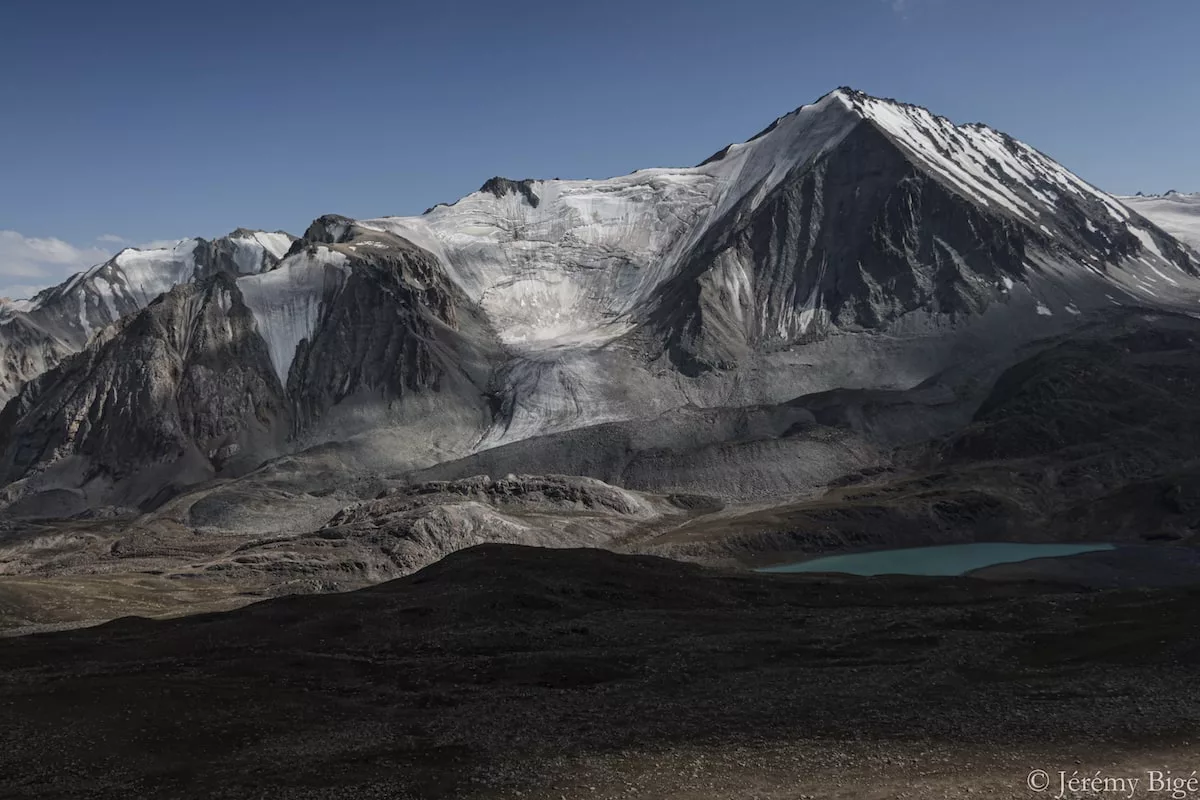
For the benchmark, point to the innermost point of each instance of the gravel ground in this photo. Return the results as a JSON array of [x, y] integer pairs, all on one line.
[[506, 671]]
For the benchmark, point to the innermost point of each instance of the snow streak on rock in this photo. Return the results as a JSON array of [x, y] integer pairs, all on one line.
[[286, 302]]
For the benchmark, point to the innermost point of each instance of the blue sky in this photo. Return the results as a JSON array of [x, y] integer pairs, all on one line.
[[133, 121]]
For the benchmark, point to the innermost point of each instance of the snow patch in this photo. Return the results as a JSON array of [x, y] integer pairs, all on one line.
[[1146, 239], [145, 274], [930, 137], [593, 250], [277, 244], [286, 302], [256, 251]]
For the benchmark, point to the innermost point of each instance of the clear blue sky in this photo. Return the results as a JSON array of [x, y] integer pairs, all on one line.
[[149, 120]]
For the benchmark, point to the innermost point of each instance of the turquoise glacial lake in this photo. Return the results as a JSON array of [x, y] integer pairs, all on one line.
[[949, 559]]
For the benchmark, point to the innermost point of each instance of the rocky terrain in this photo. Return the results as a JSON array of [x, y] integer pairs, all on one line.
[[506, 672], [1091, 438], [1094, 438]]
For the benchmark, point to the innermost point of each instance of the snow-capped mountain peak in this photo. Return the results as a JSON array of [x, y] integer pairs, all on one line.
[[987, 166], [870, 239], [562, 261], [133, 277]]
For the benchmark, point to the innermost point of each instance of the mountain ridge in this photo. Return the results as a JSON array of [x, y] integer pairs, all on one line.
[[61, 319]]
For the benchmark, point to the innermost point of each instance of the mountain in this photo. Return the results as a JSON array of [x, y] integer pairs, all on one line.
[[36, 334], [203, 380], [846, 282], [1176, 213]]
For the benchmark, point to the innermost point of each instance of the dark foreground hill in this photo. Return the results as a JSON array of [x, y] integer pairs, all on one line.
[[506, 671]]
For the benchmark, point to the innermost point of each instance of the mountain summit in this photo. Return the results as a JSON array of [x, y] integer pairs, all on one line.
[[856, 244]]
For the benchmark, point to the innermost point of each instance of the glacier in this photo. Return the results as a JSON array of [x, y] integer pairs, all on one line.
[[286, 302], [1176, 213]]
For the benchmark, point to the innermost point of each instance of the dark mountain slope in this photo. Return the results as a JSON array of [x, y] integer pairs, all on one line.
[[866, 233], [170, 396]]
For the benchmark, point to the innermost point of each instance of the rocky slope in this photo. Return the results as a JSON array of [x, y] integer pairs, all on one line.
[[409, 527], [905, 213], [1093, 437], [1089, 437]]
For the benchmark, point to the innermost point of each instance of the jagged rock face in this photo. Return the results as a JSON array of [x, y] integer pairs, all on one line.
[[243, 252], [501, 186], [396, 326], [329, 229], [852, 241], [174, 394], [28, 349]]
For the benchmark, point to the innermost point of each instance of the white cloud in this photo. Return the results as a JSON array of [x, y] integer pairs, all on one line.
[[29, 264]]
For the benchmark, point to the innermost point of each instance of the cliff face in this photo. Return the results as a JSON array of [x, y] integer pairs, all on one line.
[[397, 326]]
